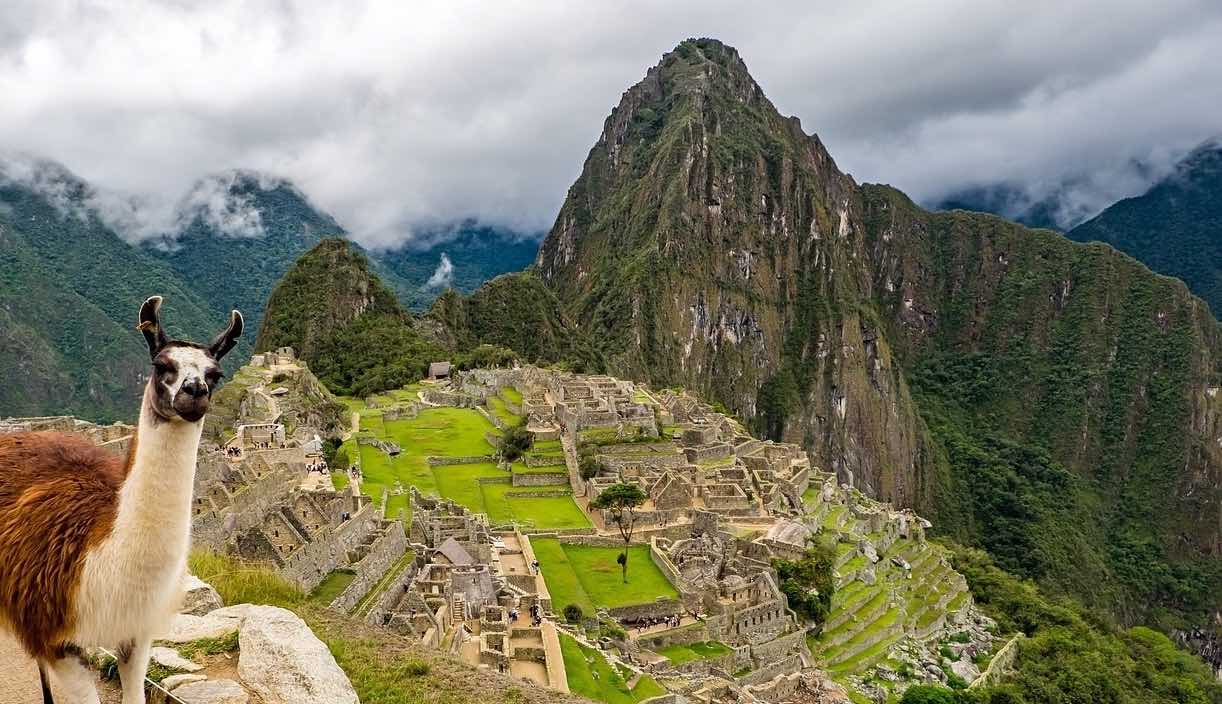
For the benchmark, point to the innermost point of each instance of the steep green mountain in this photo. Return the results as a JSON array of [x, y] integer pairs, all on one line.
[[345, 323], [232, 254], [1053, 402], [518, 312], [1175, 228], [475, 253], [69, 291]]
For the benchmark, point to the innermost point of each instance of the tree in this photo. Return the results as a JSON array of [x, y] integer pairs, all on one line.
[[515, 442], [808, 583], [588, 464], [621, 501]]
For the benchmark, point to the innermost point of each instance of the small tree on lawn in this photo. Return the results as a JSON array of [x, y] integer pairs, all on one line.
[[621, 501], [515, 442]]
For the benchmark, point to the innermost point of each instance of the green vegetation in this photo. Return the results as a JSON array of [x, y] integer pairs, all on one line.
[[345, 323], [332, 586], [810, 582], [587, 576], [517, 312], [515, 442], [679, 654], [1174, 227], [1069, 655], [591, 676], [621, 501]]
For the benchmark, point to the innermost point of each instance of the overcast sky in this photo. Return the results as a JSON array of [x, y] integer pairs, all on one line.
[[393, 115]]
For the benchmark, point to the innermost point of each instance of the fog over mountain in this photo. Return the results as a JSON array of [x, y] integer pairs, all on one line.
[[396, 118]]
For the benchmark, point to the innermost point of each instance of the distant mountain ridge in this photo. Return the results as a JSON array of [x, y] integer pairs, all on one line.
[[73, 282], [1175, 228]]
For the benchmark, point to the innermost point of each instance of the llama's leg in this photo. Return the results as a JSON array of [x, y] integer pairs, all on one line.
[[133, 666], [71, 679]]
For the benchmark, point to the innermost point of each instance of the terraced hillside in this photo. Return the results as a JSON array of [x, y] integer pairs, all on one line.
[[895, 596]]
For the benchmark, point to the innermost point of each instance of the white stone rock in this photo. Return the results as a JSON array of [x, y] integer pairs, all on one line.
[[212, 692], [283, 662], [200, 597], [168, 657], [966, 669], [186, 628], [237, 611], [173, 681]]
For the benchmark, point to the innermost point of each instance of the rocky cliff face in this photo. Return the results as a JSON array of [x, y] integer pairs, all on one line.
[[1006, 381]]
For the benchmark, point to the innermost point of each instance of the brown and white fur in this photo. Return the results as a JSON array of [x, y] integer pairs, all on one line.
[[93, 547]]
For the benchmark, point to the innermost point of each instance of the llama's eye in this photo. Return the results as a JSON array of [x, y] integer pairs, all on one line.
[[162, 368]]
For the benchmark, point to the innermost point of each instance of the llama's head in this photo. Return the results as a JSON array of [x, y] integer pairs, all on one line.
[[184, 373]]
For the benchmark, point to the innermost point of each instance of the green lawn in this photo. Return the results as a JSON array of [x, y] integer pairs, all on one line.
[[512, 395], [679, 654], [588, 575], [609, 686], [332, 586], [442, 432], [558, 468], [498, 408], [458, 482], [505, 504]]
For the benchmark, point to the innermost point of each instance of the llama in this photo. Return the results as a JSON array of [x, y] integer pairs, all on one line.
[[93, 548]]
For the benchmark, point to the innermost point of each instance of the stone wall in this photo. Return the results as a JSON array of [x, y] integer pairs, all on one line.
[[1002, 662], [385, 603], [658, 609], [247, 508], [383, 554], [541, 479], [310, 564], [473, 459]]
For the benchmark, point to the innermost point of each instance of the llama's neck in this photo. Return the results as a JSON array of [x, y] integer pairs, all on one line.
[[155, 501]]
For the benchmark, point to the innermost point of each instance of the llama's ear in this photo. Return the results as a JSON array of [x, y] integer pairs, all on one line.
[[150, 325], [228, 338]]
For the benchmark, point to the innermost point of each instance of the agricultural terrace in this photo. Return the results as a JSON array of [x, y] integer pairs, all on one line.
[[480, 485], [589, 576], [591, 676]]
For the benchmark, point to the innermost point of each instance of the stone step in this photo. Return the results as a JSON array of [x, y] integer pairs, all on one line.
[[849, 626], [866, 658], [890, 623]]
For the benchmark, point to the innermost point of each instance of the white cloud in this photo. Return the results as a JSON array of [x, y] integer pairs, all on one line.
[[399, 116], [443, 275]]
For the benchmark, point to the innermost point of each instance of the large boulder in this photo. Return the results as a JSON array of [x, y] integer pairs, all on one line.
[[199, 597], [186, 628], [283, 662], [211, 692]]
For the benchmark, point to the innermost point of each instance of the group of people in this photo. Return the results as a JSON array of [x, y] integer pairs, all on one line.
[[536, 615], [669, 621], [233, 451], [320, 467]]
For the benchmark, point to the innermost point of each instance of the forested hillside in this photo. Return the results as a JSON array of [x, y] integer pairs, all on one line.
[[1053, 402]]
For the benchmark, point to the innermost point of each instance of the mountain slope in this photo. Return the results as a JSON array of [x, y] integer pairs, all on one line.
[[69, 291], [475, 254], [518, 312], [271, 223], [1005, 381], [344, 322], [1175, 228]]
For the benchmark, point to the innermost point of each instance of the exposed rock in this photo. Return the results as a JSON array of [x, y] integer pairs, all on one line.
[[200, 597], [212, 692], [174, 681], [966, 669], [283, 662], [186, 628], [168, 657]]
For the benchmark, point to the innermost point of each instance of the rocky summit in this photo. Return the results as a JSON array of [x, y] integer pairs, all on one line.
[[1054, 402]]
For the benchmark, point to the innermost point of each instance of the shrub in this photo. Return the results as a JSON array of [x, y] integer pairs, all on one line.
[[928, 694], [573, 613], [808, 583], [515, 442]]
